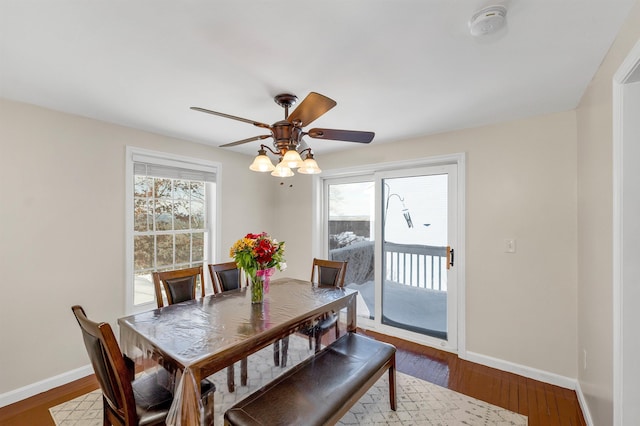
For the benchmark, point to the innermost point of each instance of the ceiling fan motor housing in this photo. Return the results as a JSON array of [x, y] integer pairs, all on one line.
[[284, 135]]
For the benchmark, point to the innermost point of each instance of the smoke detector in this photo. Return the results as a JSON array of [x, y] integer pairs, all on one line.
[[488, 20]]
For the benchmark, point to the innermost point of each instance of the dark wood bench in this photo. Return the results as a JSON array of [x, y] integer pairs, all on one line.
[[321, 389]]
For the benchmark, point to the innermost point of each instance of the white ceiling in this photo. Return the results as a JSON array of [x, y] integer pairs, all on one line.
[[399, 68]]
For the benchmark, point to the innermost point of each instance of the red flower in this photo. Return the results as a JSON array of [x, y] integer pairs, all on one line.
[[264, 251]]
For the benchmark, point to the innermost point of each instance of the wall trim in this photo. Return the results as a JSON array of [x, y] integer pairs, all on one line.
[[583, 405], [522, 370], [33, 389], [436, 160], [624, 75]]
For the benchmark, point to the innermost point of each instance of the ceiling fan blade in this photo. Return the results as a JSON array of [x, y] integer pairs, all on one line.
[[312, 107], [255, 138], [233, 117], [342, 135]]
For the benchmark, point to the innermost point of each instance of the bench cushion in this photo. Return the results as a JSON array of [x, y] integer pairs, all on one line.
[[312, 392]]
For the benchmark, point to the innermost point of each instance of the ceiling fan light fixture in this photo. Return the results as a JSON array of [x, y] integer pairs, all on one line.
[[262, 163], [292, 159], [309, 166], [281, 170]]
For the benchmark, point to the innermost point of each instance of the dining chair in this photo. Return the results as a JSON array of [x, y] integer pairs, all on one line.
[[326, 273], [128, 400], [179, 285], [224, 277]]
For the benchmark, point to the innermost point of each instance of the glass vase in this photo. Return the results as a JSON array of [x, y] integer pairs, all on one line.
[[257, 289]]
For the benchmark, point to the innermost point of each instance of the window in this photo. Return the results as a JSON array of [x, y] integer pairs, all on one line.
[[171, 209]]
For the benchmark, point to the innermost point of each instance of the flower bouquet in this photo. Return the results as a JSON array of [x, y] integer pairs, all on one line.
[[258, 255]]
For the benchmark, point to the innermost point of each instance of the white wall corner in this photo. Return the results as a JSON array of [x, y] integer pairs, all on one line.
[[33, 389], [583, 405]]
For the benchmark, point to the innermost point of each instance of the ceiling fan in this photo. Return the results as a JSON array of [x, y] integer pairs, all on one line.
[[287, 134]]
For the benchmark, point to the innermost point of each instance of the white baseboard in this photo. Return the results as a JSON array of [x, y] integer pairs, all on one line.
[[44, 385], [583, 405], [522, 370], [533, 373]]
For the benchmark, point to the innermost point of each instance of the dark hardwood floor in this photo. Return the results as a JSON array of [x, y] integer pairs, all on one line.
[[544, 404]]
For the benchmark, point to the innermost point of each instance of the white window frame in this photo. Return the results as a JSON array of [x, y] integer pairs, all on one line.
[[212, 222]]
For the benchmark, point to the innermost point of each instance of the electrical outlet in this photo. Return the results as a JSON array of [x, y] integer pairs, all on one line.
[[509, 246]]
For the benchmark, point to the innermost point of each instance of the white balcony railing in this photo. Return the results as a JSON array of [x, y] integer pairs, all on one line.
[[413, 265], [416, 265]]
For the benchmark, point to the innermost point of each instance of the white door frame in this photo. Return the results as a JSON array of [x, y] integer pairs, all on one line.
[[319, 218], [626, 250]]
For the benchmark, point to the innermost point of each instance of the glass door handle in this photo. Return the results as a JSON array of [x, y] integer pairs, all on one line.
[[450, 257]]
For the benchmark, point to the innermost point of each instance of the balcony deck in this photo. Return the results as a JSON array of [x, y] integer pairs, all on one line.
[[413, 308], [414, 293]]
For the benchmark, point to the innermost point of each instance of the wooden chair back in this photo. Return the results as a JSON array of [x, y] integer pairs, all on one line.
[[225, 276], [179, 285], [329, 272], [110, 368]]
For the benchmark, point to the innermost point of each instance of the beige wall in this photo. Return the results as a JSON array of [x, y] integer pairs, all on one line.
[[595, 183], [521, 183], [294, 202], [62, 230]]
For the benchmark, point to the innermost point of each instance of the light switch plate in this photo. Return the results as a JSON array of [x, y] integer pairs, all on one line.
[[510, 246]]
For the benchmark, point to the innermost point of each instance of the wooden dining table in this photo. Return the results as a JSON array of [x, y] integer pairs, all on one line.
[[197, 338]]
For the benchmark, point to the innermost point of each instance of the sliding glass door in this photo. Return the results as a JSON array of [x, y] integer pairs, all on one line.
[[397, 229], [415, 241]]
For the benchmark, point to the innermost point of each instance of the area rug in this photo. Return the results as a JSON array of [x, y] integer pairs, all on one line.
[[419, 402]]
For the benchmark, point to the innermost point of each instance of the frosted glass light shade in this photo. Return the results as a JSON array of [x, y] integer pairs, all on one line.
[[262, 163], [292, 159], [309, 166], [282, 170]]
